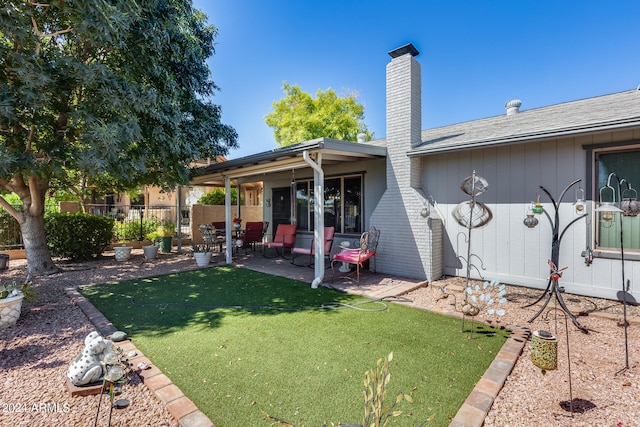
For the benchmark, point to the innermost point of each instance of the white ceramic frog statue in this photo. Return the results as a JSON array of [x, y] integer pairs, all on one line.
[[88, 367]]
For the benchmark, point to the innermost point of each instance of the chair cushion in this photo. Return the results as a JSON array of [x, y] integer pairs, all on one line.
[[274, 244], [353, 256], [302, 251]]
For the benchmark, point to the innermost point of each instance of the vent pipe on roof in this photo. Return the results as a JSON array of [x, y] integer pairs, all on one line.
[[513, 106], [362, 137]]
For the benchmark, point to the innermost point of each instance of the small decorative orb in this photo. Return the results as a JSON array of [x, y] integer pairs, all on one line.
[[530, 221]]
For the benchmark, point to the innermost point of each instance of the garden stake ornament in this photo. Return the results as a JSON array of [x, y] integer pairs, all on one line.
[[483, 298]]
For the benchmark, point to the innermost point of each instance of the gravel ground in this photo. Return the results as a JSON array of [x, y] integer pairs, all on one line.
[[36, 352], [590, 387]]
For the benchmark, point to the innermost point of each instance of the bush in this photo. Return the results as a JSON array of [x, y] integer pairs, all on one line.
[[130, 230], [216, 197], [77, 236]]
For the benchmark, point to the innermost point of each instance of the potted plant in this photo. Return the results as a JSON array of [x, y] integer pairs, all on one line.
[[151, 251], [166, 231], [202, 254], [237, 222], [11, 297], [123, 252]]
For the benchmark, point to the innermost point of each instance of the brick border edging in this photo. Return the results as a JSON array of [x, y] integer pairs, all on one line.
[[474, 410], [181, 408]]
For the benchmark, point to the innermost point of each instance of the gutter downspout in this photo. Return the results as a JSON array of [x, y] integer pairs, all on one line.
[[318, 216], [227, 214]]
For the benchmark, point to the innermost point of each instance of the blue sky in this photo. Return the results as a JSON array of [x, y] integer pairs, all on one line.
[[475, 55]]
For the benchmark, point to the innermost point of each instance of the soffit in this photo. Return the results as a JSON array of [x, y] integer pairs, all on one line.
[[257, 166]]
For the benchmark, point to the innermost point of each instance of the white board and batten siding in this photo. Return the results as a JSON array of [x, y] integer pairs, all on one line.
[[505, 248]]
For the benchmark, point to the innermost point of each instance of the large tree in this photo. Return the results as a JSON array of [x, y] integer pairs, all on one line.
[[113, 90], [299, 117]]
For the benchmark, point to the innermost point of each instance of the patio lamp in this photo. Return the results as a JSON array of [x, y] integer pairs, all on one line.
[[607, 211]]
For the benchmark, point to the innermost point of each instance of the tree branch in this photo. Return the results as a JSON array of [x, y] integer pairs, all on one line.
[[33, 3], [6, 184], [36, 201], [9, 208], [32, 132], [39, 34]]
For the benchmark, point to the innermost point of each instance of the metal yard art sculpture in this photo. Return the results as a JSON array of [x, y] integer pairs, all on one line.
[[473, 214], [553, 289]]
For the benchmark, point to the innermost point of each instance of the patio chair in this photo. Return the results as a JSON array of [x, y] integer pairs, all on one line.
[[367, 250], [221, 228], [310, 250], [285, 238], [253, 234]]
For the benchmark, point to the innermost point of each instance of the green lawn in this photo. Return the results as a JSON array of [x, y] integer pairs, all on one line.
[[240, 362]]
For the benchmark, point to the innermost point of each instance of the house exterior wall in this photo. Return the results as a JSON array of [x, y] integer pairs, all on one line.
[[505, 248], [373, 172]]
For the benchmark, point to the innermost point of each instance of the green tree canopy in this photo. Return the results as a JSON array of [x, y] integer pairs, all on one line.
[[299, 117], [115, 92]]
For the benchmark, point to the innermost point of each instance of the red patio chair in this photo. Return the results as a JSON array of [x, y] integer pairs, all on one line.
[[221, 228], [367, 250], [253, 234], [285, 238], [311, 251]]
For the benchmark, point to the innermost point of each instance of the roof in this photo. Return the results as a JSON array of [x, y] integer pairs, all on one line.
[[598, 114], [288, 158]]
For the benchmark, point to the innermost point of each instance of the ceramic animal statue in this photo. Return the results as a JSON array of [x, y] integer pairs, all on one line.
[[88, 367]]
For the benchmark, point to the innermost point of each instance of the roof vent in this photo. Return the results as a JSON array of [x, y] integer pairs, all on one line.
[[362, 137], [513, 106]]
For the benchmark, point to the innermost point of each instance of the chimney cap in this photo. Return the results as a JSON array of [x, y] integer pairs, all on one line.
[[408, 48]]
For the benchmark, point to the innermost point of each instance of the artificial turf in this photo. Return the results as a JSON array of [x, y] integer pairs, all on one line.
[[250, 348]]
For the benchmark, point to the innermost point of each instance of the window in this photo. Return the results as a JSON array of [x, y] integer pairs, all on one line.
[[342, 206], [625, 165]]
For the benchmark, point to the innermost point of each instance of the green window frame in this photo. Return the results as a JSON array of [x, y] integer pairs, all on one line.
[[626, 165]]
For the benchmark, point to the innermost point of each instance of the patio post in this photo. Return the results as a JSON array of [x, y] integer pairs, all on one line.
[[227, 215], [318, 216]]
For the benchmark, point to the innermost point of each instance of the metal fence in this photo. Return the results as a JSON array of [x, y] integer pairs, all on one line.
[[135, 222]]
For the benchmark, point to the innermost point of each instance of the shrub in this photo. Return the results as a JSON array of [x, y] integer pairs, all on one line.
[[77, 236], [216, 197], [130, 230]]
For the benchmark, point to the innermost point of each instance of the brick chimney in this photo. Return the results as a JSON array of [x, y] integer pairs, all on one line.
[[410, 241], [404, 111]]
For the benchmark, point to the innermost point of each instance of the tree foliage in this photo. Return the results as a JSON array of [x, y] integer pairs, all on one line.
[[217, 197], [110, 93], [299, 117]]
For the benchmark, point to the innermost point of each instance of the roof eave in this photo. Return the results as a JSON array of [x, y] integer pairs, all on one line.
[[526, 138], [287, 158]]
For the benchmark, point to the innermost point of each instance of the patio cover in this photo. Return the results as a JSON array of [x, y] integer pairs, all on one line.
[[314, 154]]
